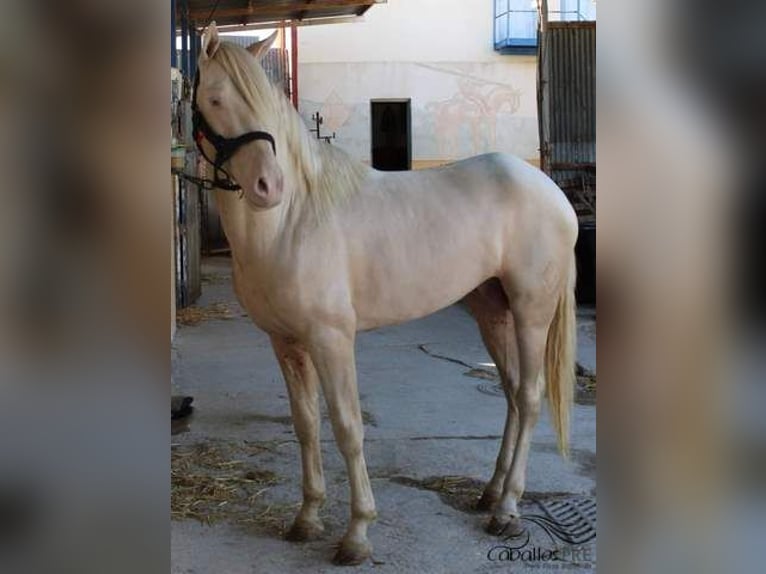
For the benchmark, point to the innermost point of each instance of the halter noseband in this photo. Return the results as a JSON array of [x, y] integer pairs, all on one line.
[[225, 148]]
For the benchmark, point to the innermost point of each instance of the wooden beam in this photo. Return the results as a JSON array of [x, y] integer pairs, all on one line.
[[267, 25], [302, 14], [282, 9]]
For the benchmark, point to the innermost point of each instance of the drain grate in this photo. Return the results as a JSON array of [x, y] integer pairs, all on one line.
[[574, 517]]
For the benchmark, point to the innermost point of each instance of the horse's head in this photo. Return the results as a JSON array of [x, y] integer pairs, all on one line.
[[237, 104]]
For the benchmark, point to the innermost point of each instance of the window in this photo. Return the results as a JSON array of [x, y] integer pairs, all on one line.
[[516, 26], [516, 21], [571, 10]]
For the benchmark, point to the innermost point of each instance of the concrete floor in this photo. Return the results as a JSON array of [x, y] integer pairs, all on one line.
[[425, 418]]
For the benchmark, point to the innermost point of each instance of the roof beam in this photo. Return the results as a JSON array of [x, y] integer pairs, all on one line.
[[267, 25], [281, 9]]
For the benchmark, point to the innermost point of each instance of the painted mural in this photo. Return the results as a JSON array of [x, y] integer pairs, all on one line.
[[458, 109], [476, 105]]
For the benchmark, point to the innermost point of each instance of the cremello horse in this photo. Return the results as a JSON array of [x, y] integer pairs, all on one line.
[[323, 247]]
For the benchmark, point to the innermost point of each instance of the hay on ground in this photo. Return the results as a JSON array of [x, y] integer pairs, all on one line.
[[459, 492], [217, 482], [193, 315]]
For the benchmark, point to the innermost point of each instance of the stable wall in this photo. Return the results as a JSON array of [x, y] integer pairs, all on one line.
[[466, 98]]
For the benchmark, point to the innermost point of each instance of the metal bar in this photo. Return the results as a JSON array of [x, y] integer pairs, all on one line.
[[543, 85], [185, 37], [543, 14], [565, 24], [173, 55], [294, 64], [573, 166], [193, 50]]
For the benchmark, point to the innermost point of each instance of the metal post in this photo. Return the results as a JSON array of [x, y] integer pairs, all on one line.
[[185, 37], [173, 57], [194, 50], [543, 91], [294, 63]]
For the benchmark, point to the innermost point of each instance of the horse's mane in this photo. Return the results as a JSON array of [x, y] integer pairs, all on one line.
[[326, 174]]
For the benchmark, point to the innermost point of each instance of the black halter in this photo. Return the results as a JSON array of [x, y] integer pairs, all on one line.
[[225, 148]]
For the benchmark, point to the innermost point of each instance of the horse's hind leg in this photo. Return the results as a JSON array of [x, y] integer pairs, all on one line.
[[533, 311], [489, 306], [303, 390]]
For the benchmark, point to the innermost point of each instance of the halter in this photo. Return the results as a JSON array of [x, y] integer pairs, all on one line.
[[225, 148]]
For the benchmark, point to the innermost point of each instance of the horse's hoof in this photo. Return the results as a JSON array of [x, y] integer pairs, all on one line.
[[486, 502], [495, 527], [511, 527], [304, 530], [352, 553]]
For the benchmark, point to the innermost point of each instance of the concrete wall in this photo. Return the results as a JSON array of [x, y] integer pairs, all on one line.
[[466, 98]]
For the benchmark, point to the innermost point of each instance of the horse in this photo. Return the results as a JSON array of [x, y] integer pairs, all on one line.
[[323, 246]]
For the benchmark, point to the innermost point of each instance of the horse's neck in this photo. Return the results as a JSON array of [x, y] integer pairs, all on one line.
[[251, 234]]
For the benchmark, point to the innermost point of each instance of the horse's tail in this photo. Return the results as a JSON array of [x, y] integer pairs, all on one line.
[[560, 356]]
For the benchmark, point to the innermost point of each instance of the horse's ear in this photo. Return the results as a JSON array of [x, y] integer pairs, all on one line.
[[260, 48], [210, 41]]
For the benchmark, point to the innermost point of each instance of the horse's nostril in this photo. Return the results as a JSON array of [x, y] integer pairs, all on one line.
[[263, 187]]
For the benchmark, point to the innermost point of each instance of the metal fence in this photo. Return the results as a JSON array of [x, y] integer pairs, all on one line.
[[276, 62]]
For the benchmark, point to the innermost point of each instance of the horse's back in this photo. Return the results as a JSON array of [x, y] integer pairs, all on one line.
[[418, 241]]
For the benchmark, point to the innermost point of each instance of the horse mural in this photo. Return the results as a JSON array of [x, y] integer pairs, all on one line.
[[324, 246], [474, 106]]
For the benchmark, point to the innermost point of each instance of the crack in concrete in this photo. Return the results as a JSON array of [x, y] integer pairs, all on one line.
[[448, 437], [444, 357], [412, 438]]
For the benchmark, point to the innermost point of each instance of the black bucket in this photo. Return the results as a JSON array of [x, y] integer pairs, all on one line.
[[585, 254]]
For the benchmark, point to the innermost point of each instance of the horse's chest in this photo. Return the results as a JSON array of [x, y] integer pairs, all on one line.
[[273, 303]]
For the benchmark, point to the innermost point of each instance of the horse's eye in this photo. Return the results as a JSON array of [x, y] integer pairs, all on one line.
[[215, 103]]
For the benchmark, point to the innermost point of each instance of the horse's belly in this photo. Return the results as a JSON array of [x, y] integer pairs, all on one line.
[[422, 277]]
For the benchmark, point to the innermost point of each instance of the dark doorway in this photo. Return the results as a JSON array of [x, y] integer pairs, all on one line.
[[391, 127]]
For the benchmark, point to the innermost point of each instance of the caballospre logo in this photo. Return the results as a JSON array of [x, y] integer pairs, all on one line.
[[569, 543]]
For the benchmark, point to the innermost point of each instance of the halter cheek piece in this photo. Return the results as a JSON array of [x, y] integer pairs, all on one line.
[[225, 148]]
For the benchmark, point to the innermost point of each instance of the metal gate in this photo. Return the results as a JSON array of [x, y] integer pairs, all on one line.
[[187, 217], [187, 232], [567, 111]]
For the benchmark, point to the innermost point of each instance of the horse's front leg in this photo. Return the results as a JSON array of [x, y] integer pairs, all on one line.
[[332, 351], [303, 390]]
